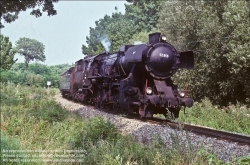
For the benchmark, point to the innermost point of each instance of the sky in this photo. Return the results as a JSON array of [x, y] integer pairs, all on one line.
[[63, 34]]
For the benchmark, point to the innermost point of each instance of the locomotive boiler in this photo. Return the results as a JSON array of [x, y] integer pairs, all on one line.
[[135, 79]]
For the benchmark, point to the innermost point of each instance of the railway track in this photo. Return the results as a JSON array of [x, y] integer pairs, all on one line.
[[200, 130], [209, 132], [143, 131]]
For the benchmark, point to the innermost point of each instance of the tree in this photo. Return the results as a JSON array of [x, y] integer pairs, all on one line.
[[31, 49], [37, 74], [34, 79], [217, 32], [120, 31], [9, 10], [140, 16], [96, 35], [144, 13], [38, 68], [7, 53]]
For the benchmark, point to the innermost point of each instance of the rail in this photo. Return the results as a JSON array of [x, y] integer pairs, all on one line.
[[221, 135]]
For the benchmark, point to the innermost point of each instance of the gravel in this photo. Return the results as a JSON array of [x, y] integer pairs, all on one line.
[[145, 132]]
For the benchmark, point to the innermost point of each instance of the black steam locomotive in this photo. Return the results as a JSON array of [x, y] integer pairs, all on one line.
[[136, 79]]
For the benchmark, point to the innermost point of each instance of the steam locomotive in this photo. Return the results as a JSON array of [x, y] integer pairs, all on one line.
[[135, 79]]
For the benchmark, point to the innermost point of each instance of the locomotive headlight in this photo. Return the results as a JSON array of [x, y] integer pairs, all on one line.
[[182, 93], [163, 38], [149, 90]]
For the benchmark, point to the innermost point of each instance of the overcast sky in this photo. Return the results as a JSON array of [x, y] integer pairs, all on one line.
[[64, 33]]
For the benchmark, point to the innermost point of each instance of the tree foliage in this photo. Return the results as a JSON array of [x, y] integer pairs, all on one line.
[[9, 10], [7, 53], [36, 75], [31, 49], [218, 32], [96, 36], [118, 29], [144, 13]]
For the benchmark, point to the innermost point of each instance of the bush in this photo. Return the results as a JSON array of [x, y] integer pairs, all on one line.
[[234, 118]]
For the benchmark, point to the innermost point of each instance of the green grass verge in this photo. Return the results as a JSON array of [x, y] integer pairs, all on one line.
[[43, 130], [234, 118]]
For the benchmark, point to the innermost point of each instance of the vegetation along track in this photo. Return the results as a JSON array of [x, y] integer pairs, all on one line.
[[222, 135]]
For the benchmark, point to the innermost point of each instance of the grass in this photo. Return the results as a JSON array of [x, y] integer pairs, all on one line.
[[234, 118], [33, 123]]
